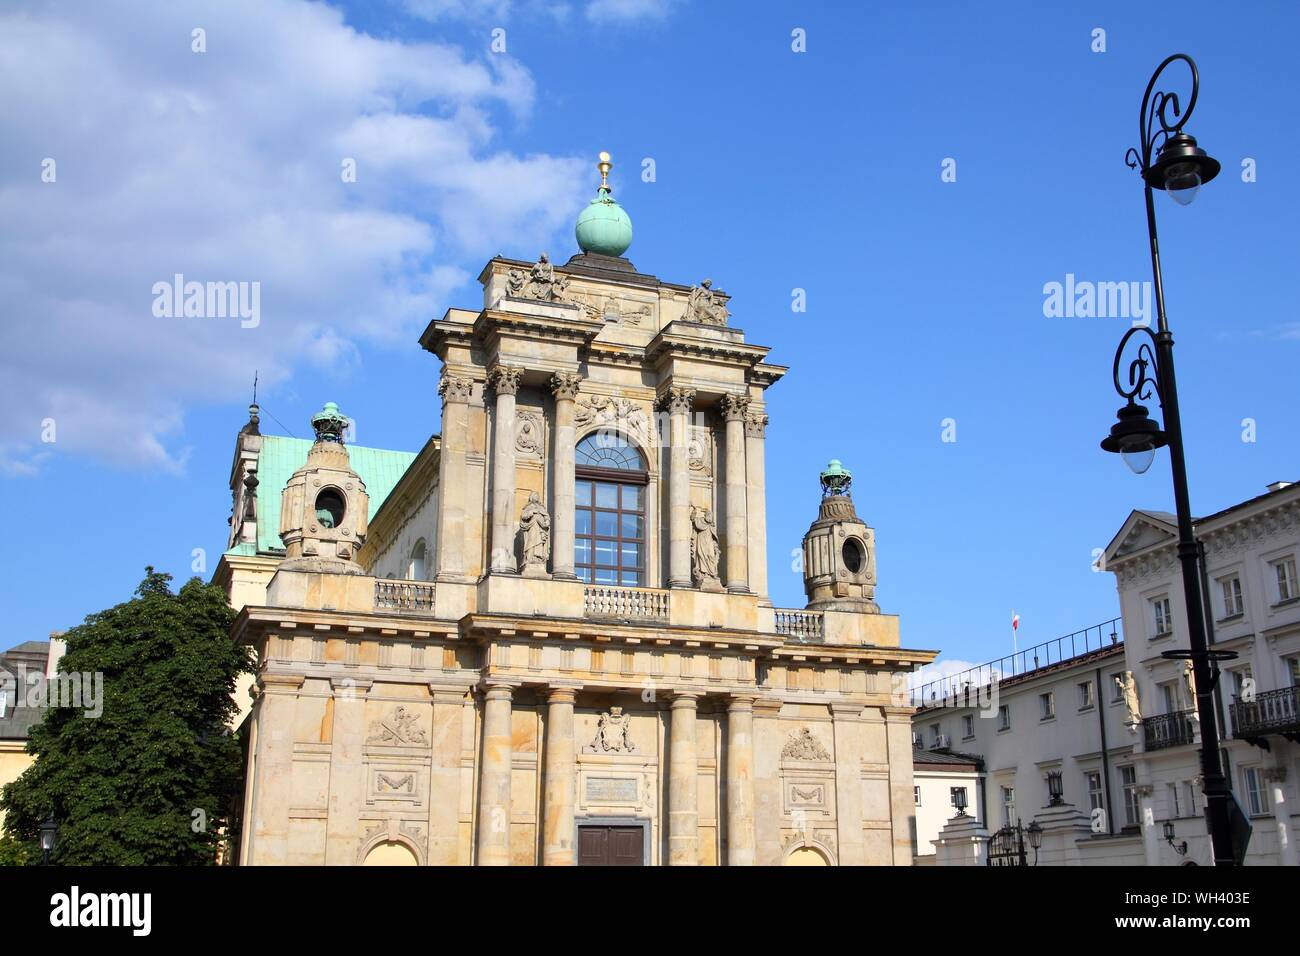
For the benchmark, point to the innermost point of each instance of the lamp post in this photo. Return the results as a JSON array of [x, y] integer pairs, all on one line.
[[1179, 848], [49, 835], [1180, 167]]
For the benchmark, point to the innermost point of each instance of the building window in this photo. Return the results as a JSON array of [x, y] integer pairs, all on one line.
[[1047, 706], [1239, 678], [1008, 805], [4, 703], [1293, 670], [1162, 621], [1230, 589], [1096, 800], [1004, 717], [1284, 572], [1175, 811], [1132, 808], [609, 516], [1086, 699], [1170, 695], [1256, 791], [1117, 687], [968, 726], [935, 734], [916, 795], [416, 569]]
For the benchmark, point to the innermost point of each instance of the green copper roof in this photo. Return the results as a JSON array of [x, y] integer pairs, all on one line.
[[379, 468], [836, 470], [604, 227]]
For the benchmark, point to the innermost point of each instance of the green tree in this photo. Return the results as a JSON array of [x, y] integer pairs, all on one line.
[[153, 779]]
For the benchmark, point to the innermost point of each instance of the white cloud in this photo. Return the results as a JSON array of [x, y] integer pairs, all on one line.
[[225, 166], [500, 11]]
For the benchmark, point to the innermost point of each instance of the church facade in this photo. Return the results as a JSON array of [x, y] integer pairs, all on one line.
[[546, 638]]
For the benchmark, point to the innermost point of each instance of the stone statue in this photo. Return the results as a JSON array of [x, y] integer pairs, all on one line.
[[704, 548], [700, 307], [1189, 685], [539, 283], [535, 525], [1131, 704]]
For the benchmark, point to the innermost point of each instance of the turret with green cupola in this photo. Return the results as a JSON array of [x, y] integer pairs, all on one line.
[[839, 550], [324, 507]]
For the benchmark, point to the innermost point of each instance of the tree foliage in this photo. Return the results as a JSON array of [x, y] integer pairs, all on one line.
[[152, 780]]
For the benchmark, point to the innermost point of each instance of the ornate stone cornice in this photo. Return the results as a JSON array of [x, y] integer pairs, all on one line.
[[455, 388], [1249, 532], [505, 379], [755, 424], [565, 385], [735, 407]]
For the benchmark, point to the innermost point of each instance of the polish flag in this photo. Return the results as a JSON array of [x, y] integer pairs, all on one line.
[[1015, 621]]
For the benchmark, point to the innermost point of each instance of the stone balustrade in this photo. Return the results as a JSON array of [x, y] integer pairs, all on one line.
[[805, 627], [625, 604], [405, 597]]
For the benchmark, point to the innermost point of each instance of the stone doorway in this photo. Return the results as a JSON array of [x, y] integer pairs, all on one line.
[[611, 845]]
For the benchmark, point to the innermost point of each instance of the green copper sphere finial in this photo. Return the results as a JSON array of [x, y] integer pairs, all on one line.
[[603, 227], [329, 423], [836, 479]]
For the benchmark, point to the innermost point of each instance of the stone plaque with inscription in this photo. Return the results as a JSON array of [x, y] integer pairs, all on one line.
[[611, 790]]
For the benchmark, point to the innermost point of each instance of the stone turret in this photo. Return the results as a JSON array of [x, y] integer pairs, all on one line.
[[839, 550], [324, 506]]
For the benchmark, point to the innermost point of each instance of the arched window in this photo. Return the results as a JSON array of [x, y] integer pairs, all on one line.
[[609, 488], [415, 570]]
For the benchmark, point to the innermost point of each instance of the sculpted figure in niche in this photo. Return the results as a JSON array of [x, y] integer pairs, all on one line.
[[535, 524], [700, 307], [704, 547], [540, 282]]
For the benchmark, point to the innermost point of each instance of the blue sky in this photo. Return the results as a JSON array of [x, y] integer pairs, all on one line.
[[775, 170]]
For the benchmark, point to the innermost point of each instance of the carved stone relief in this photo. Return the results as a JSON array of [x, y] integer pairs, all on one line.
[[613, 733], [398, 729], [621, 414], [530, 434], [803, 745]]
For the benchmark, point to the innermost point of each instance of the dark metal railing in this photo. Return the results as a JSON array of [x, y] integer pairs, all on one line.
[[966, 685], [1272, 712], [1169, 730]]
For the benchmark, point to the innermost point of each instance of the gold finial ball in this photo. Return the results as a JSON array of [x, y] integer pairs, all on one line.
[[604, 156]]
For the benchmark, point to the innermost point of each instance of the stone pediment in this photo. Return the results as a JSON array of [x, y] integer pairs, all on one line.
[[1141, 532]]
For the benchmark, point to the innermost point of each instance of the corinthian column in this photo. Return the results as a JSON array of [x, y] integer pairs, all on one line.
[[756, 500], [494, 779], [734, 410], [453, 476], [683, 784], [740, 782], [564, 385], [505, 380], [561, 772], [678, 402]]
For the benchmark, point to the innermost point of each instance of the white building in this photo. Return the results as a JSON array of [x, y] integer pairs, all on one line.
[[1254, 610], [1049, 718], [943, 782]]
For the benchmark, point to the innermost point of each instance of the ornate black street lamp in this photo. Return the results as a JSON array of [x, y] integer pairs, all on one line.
[[1179, 848], [1169, 159], [49, 836]]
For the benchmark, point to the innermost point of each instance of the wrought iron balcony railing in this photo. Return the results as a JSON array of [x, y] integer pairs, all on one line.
[[1272, 712], [625, 604], [1169, 730], [405, 597], [805, 627]]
